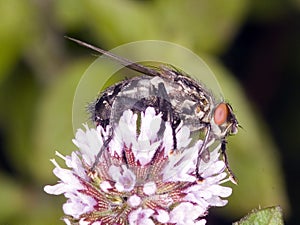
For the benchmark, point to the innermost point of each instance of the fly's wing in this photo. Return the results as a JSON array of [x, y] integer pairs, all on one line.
[[125, 62]]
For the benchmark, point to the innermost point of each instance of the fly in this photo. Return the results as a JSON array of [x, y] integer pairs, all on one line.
[[171, 92]]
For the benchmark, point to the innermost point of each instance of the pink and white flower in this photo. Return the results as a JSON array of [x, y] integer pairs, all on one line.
[[139, 179]]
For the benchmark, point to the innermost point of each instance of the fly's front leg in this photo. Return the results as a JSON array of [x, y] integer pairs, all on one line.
[[165, 106], [232, 177]]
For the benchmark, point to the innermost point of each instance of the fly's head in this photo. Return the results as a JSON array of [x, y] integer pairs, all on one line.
[[223, 120]]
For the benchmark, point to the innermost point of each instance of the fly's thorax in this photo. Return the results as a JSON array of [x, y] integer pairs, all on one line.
[[193, 106]]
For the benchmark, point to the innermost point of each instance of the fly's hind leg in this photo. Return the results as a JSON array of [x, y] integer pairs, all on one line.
[[102, 149]]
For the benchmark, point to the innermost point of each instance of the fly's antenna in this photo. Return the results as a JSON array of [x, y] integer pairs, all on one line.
[[125, 62]]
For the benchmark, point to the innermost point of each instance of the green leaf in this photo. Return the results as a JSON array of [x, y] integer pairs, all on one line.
[[267, 216]]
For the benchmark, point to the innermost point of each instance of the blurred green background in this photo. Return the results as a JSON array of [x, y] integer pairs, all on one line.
[[252, 46]]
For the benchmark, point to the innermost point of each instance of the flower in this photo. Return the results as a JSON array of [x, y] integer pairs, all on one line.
[[139, 178]]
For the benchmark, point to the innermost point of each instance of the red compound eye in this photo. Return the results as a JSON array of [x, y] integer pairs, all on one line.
[[221, 113]]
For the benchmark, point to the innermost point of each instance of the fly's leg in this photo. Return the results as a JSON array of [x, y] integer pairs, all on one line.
[[203, 153], [232, 177], [102, 149], [167, 110]]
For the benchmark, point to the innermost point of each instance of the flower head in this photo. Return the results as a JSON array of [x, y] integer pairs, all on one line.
[[139, 178]]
